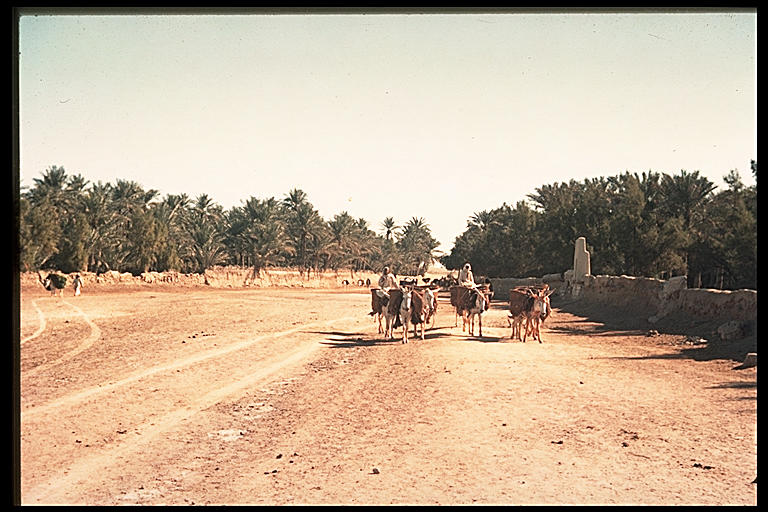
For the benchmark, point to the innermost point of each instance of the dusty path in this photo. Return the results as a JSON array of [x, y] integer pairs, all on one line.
[[290, 397]]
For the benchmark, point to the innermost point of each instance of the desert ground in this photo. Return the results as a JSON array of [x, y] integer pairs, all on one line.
[[281, 396]]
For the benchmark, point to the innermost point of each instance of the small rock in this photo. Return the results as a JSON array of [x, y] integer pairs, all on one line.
[[279, 456], [750, 360], [732, 330], [375, 471], [652, 332]]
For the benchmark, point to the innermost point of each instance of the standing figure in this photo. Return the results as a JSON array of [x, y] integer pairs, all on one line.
[[77, 284]]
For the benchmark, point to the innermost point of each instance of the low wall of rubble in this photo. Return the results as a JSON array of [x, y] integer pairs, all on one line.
[[219, 277]]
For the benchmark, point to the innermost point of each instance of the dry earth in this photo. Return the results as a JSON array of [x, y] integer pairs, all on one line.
[[289, 396]]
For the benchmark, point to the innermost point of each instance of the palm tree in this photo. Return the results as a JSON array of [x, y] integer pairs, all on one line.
[[302, 225], [481, 220], [263, 232], [103, 226], [415, 243], [685, 195], [168, 215], [39, 233], [366, 244], [343, 243], [51, 187], [202, 234], [389, 226], [129, 196]]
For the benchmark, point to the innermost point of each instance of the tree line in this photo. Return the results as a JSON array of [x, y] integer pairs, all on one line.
[[651, 225], [65, 223]]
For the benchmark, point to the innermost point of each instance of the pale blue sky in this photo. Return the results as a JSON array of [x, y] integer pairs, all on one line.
[[436, 116]]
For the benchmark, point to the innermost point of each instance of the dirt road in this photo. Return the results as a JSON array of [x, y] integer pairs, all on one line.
[[289, 396]]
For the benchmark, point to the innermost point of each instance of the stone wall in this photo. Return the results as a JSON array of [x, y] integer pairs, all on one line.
[[659, 298], [218, 277]]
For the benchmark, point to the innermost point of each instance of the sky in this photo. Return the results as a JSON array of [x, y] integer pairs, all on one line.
[[437, 115]]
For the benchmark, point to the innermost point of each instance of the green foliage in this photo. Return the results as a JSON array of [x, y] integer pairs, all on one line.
[[652, 224], [39, 234]]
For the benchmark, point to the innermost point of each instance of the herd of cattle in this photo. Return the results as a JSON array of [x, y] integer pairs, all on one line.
[[416, 305]]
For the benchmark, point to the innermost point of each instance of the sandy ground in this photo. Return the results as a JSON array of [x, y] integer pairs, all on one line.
[[282, 396]]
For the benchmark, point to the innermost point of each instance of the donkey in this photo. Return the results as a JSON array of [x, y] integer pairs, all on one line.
[[478, 304], [406, 309], [379, 301], [430, 300], [392, 312], [538, 312], [51, 284]]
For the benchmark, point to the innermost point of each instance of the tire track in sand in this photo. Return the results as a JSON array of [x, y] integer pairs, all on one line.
[[54, 491], [197, 358], [41, 321], [87, 343]]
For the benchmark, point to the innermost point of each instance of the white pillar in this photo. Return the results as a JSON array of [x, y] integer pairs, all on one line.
[[581, 264]]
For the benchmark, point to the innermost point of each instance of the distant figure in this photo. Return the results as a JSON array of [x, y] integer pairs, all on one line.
[[77, 284]]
